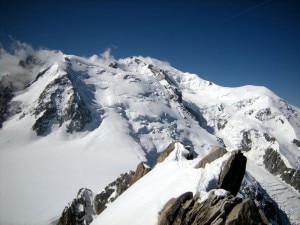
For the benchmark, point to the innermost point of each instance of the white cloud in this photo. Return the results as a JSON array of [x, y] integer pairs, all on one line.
[[13, 73]]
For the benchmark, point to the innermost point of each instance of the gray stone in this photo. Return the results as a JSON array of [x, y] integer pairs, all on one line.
[[232, 173], [245, 212], [215, 153], [215, 210], [80, 211], [172, 207]]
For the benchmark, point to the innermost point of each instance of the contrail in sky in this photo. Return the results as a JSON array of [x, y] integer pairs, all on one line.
[[242, 13]]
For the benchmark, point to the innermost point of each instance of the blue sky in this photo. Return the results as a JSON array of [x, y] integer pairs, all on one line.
[[231, 43]]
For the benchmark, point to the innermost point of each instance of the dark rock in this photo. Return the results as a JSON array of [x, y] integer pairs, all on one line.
[[172, 207], [275, 165], [250, 188], [113, 65], [268, 138], [273, 162], [246, 212], [246, 141], [80, 211], [296, 142], [112, 191], [232, 173], [52, 110], [140, 171], [221, 124], [264, 114], [190, 148], [215, 153], [292, 177], [6, 94], [216, 210]]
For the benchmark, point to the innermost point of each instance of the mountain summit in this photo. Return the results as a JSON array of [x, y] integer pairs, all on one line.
[[81, 122]]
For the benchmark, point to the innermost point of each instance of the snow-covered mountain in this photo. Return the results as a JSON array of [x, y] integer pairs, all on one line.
[[81, 122]]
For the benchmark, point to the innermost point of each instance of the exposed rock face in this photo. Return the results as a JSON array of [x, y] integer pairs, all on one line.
[[296, 142], [112, 191], [273, 162], [275, 165], [85, 206], [170, 212], [80, 211], [264, 114], [215, 153], [292, 177], [232, 173], [216, 210], [141, 170], [5, 97], [250, 188], [246, 212], [166, 153], [60, 103], [246, 141]]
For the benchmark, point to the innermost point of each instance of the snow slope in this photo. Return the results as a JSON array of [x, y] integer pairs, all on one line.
[[145, 199], [137, 107]]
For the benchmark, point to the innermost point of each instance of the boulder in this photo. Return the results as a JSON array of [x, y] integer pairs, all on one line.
[[141, 170], [164, 154], [80, 211], [112, 191], [246, 212], [232, 172], [215, 153], [172, 208], [217, 209]]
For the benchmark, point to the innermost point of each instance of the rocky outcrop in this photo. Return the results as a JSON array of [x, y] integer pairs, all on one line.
[[250, 188], [80, 211], [112, 191], [217, 209], [164, 154], [246, 212], [264, 114], [296, 142], [170, 212], [6, 94], [232, 172], [246, 143], [60, 103], [273, 162], [275, 165], [292, 177], [85, 206], [141, 170], [215, 153]]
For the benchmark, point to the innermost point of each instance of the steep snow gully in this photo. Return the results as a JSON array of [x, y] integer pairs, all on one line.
[[81, 122]]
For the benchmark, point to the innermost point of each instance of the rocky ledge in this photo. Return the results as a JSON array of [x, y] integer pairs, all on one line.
[[219, 208]]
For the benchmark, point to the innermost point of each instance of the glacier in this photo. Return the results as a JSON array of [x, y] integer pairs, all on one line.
[[101, 117]]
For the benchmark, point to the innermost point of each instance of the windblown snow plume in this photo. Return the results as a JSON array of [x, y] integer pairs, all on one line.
[[20, 65]]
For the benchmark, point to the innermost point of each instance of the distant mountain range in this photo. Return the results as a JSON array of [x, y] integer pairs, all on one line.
[[78, 123]]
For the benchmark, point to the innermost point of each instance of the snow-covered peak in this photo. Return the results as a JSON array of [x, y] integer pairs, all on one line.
[[94, 118]]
